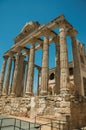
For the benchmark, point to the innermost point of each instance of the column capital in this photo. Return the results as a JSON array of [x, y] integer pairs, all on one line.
[[62, 29], [72, 33], [27, 52], [18, 49], [5, 57], [11, 54], [46, 32], [23, 56], [32, 45], [56, 39]]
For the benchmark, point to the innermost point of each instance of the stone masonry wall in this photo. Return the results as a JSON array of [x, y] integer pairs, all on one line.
[[52, 107], [45, 106], [78, 114], [48, 106]]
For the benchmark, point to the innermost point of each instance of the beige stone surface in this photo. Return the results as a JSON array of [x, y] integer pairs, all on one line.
[[60, 98]]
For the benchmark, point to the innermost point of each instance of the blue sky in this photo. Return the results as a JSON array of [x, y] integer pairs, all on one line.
[[15, 13]]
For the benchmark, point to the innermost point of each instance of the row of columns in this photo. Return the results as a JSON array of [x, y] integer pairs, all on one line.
[[62, 72], [20, 73]]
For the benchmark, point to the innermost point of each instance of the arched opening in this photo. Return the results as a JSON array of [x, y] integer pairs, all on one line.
[[51, 76]]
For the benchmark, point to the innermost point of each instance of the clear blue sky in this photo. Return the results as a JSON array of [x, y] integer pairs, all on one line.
[[15, 13]]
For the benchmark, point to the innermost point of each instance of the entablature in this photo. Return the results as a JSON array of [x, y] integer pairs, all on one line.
[[32, 32]]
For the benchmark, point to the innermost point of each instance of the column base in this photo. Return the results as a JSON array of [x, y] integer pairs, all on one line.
[[12, 95], [64, 91], [28, 94], [4, 95], [43, 93]]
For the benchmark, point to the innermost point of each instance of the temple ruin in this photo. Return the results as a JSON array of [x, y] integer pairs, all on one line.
[[61, 90]]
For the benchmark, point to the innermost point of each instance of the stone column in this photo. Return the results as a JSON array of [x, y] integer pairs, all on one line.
[[38, 80], [3, 74], [44, 72], [19, 84], [77, 66], [26, 72], [8, 74], [24, 77], [64, 72], [15, 77], [57, 71], [29, 84], [12, 75]]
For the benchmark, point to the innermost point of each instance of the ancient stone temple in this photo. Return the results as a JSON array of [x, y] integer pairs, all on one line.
[[61, 90]]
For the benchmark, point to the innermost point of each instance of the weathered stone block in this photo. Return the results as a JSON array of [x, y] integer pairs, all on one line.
[[64, 104]]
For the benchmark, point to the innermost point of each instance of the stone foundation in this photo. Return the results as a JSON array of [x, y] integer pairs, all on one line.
[[78, 114], [55, 107]]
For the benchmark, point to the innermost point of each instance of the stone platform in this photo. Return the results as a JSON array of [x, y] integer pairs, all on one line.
[[51, 107]]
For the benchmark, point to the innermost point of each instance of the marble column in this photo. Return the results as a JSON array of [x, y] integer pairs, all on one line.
[[15, 77], [30, 75], [64, 72], [57, 71], [8, 74], [44, 72], [3, 74], [77, 66]]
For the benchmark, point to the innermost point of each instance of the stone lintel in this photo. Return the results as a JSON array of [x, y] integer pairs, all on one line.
[[30, 40], [5, 56], [53, 24]]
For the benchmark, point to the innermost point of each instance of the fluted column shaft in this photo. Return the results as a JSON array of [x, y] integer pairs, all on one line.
[[3, 74], [12, 76], [63, 62], [44, 72], [38, 80], [24, 77], [15, 77], [57, 72], [77, 67], [29, 84], [8, 75]]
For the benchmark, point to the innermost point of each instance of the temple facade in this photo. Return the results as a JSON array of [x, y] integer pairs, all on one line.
[[67, 79], [31, 34]]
